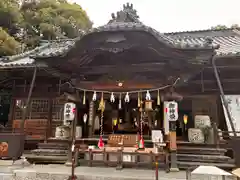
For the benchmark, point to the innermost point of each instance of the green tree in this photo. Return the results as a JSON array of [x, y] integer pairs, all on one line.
[[53, 19], [8, 45], [10, 16], [28, 21]]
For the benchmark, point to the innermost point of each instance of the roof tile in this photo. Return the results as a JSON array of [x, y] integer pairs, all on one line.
[[228, 39]]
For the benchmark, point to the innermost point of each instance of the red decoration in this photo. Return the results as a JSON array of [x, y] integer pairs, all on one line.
[[100, 143], [141, 143], [74, 110]]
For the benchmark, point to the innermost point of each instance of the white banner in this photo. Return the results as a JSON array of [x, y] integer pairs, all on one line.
[[234, 109]]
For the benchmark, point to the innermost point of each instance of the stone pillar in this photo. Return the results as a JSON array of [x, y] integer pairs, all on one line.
[[173, 146]]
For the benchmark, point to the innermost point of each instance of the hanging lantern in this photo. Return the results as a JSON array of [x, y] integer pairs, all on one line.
[[158, 98], [185, 119], [84, 97], [127, 99], [148, 105], [148, 96], [120, 102], [94, 98], [114, 122], [85, 118], [112, 98]]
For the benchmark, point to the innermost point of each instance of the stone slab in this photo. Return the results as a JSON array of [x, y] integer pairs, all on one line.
[[61, 172]]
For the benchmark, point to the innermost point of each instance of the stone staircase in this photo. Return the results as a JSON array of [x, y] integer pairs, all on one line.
[[49, 153], [189, 155]]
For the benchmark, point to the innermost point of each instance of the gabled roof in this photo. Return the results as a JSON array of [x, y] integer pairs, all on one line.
[[26, 59], [228, 39]]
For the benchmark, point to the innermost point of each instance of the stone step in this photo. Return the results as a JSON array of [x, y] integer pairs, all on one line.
[[52, 146], [185, 165], [202, 150], [42, 159], [203, 158], [54, 152]]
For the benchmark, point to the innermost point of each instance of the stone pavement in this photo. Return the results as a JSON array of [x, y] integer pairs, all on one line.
[[61, 172]]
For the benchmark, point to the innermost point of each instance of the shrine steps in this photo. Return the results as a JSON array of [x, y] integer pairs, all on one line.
[[46, 153], [189, 154], [186, 165], [62, 146], [202, 151], [42, 159]]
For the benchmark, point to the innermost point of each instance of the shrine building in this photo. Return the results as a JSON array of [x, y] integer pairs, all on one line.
[[122, 76]]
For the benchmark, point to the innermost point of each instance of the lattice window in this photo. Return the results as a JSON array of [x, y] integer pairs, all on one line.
[[57, 110], [18, 111], [38, 109]]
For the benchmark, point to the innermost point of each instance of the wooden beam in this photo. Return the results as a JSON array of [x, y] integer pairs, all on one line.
[[142, 67], [213, 81]]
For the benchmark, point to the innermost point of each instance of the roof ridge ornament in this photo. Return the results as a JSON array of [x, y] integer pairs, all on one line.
[[128, 14]]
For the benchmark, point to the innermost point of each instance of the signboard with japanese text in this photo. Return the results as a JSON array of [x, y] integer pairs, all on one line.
[[172, 110], [69, 111], [234, 109]]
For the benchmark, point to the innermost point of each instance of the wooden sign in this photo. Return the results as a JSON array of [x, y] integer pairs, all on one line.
[[3, 149], [126, 140]]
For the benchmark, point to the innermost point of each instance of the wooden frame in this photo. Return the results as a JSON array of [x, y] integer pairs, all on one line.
[[162, 157]]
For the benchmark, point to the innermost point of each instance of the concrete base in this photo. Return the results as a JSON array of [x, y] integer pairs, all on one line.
[[173, 165], [68, 164], [174, 170], [6, 162]]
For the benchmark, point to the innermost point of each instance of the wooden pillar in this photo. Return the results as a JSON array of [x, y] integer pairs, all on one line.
[[72, 139], [49, 124], [173, 146], [25, 110], [170, 131]]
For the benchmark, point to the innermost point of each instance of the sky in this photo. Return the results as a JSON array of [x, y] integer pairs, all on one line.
[[169, 15]]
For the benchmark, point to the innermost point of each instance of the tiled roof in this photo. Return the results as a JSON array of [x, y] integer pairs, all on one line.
[[228, 39], [25, 59]]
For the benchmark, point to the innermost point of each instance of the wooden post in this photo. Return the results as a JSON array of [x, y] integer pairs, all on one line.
[[49, 124], [72, 139], [173, 146], [25, 110]]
